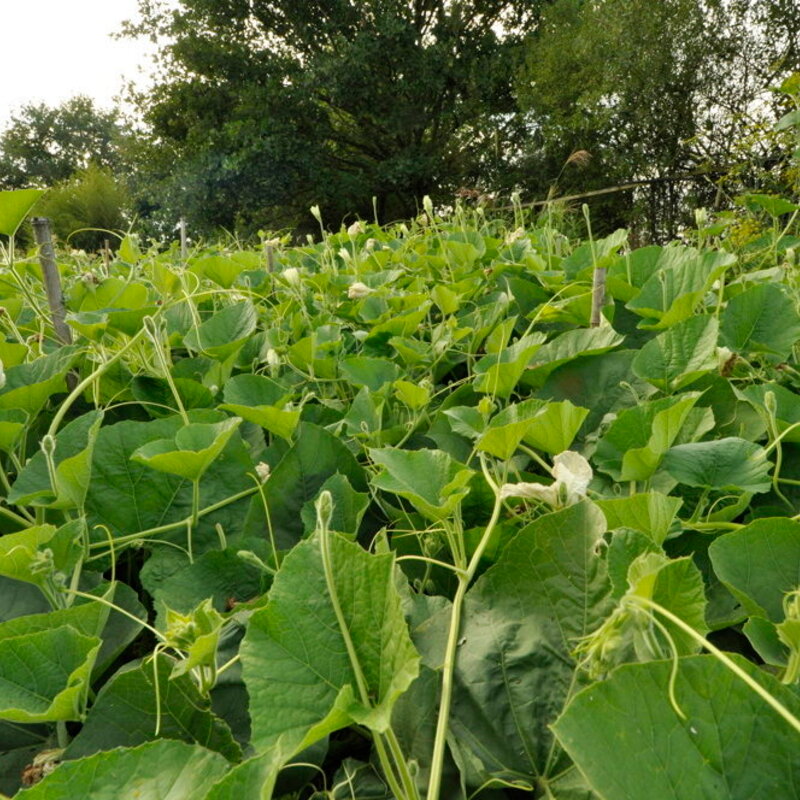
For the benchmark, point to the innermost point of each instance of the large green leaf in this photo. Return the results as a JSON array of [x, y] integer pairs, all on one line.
[[679, 355], [191, 451], [126, 711], [315, 457], [225, 332], [29, 386], [15, 206], [129, 497], [506, 429], [787, 406], [116, 628], [728, 464], [44, 676], [498, 373], [651, 513], [160, 770], [74, 446], [760, 563], [629, 742], [566, 347], [432, 481], [602, 383], [254, 778], [555, 427], [295, 660], [261, 400], [672, 293], [374, 373], [635, 443], [521, 621], [762, 319]]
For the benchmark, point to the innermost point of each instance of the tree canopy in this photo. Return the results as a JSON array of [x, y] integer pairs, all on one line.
[[265, 107], [44, 145]]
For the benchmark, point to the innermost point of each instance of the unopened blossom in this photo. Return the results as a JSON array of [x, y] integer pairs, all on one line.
[[356, 228], [292, 276], [263, 471], [358, 290], [514, 235], [273, 359], [724, 357], [572, 474]]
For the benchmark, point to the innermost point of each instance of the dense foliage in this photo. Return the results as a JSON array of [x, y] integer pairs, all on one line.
[[262, 109], [388, 508], [42, 145]]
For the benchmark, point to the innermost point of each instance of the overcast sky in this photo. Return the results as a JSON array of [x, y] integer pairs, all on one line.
[[52, 50]]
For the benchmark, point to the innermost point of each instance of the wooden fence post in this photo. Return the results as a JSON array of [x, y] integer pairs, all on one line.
[[598, 295], [52, 279], [184, 239]]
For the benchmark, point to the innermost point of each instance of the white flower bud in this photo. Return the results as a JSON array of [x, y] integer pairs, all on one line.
[[273, 359], [263, 471], [356, 228], [292, 276], [358, 290]]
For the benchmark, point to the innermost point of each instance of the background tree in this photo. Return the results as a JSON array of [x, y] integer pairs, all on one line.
[[88, 208], [44, 145], [654, 91], [265, 107]]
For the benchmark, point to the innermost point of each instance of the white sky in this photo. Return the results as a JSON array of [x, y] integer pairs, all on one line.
[[51, 50]]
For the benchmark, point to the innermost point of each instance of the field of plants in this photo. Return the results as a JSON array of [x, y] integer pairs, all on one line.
[[386, 516]]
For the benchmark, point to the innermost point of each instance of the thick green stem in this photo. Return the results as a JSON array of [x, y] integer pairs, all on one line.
[[448, 668], [722, 658], [324, 510], [86, 382], [173, 526]]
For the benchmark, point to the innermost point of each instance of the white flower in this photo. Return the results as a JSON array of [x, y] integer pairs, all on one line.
[[724, 356], [345, 254], [514, 235], [358, 290], [2, 375], [572, 471], [572, 474], [537, 491], [316, 213], [356, 228], [371, 244], [263, 471], [273, 359], [292, 276]]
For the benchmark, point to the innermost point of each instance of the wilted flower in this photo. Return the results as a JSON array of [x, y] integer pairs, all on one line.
[[356, 228], [263, 471], [358, 290], [345, 254], [316, 213], [2, 375], [572, 474]]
